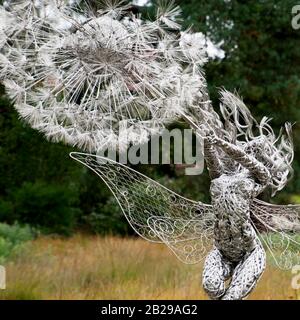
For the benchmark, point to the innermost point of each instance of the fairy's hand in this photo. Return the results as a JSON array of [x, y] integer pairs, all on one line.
[[208, 135]]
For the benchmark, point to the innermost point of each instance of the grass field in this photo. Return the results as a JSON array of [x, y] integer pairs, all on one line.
[[85, 267]]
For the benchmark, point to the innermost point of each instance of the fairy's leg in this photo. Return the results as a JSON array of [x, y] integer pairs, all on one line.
[[216, 271], [246, 274]]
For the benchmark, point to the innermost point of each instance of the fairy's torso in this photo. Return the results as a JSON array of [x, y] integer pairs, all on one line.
[[231, 200]]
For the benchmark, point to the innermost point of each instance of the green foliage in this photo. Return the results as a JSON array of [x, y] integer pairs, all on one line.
[[13, 239], [295, 199], [107, 218], [6, 210], [49, 207]]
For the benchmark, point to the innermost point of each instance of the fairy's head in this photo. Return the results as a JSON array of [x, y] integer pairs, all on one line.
[[275, 152]]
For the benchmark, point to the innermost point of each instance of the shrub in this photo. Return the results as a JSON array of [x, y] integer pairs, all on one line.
[[47, 206], [108, 218], [6, 210], [12, 239]]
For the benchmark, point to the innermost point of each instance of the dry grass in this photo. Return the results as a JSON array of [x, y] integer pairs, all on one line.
[[85, 267]]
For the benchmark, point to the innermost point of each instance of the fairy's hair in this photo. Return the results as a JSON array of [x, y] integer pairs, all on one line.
[[275, 152]]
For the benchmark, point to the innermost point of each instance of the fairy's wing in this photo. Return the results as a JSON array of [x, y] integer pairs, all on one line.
[[156, 213], [279, 228]]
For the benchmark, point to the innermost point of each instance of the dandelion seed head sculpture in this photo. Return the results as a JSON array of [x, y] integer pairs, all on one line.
[[96, 77], [90, 79]]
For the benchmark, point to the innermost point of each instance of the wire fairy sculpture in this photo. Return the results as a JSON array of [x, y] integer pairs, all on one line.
[[90, 78]]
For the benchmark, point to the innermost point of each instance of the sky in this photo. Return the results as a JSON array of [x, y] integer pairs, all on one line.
[[140, 2]]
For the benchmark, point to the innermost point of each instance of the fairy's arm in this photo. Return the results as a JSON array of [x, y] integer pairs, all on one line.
[[212, 159], [246, 160], [211, 154]]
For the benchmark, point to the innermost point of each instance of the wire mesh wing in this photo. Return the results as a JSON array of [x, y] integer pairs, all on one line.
[[279, 227], [156, 213]]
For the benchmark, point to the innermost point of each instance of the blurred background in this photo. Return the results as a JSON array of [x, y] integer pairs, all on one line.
[[46, 195]]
